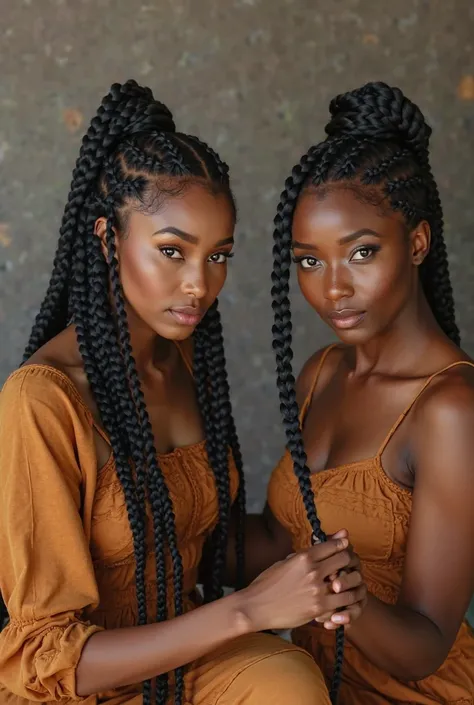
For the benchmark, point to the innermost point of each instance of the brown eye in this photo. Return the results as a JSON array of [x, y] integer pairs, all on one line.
[[220, 257], [363, 253], [171, 252], [308, 262]]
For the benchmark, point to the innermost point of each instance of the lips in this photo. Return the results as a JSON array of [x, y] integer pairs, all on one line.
[[186, 315], [346, 318]]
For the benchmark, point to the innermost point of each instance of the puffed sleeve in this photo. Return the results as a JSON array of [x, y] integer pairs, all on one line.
[[46, 573]]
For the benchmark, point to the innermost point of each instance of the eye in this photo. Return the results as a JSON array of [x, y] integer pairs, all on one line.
[[363, 253], [171, 252], [306, 262], [220, 257]]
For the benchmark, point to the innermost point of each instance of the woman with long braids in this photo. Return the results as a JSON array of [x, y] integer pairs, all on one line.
[[380, 427], [119, 457]]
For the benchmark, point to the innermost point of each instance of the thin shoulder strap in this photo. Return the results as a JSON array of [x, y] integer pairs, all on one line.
[[185, 349], [417, 396], [314, 382]]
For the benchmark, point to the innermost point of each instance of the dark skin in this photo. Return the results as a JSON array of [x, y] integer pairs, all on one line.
[[172, 266], [385, 357]]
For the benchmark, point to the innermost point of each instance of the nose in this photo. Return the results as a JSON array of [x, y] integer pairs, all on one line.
[[194, 282], [337, 284]]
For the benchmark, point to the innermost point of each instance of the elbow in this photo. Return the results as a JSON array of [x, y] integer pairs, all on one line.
[[418, 670]]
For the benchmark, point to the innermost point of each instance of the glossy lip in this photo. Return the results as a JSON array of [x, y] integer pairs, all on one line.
[[186, 315], [347, 318]]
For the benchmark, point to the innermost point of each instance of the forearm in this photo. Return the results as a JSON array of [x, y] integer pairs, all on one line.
[[119, 657], [398, 640]]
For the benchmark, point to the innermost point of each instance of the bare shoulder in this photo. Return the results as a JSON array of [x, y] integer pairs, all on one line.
[[444, 414], [324, 362]]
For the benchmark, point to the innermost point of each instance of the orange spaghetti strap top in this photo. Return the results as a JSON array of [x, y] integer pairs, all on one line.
[[314, 382], [415, 399]]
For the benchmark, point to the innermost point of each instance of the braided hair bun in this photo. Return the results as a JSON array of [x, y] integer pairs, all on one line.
[[378, 111]]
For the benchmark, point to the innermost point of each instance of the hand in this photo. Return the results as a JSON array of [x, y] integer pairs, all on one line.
[[297, 590], [348, 579]]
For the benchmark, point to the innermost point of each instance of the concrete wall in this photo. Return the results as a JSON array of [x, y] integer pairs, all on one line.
[[254, 78]]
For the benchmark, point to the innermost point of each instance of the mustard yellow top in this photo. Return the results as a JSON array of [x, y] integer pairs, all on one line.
[[67, 565], [376, 512]]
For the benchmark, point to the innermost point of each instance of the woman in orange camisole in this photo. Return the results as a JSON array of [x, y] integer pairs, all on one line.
[[119, 457], [384, 447]]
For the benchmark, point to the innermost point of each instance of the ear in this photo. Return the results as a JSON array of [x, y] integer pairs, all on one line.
[[420, 240], [100, 230]]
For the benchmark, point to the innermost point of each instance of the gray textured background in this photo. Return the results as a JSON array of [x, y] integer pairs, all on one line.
[[254, 78]]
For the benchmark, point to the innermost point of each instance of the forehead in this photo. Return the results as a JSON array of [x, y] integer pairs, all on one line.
[[195, 210], [340, 212]]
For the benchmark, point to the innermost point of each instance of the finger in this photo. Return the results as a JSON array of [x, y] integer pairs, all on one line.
[[344, 618], [347, 581], [323, 618], [345, 599], [341, 534], [333, 564], [321, 551]]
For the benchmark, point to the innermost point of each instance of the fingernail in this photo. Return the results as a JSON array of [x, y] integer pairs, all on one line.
[[337, 586], [344, 543], [337, 618]]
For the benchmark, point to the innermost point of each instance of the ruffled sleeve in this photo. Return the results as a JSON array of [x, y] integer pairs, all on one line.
[[47, 479]]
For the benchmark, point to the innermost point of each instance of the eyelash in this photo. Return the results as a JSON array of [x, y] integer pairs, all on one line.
[[371, 249], [165, 250]]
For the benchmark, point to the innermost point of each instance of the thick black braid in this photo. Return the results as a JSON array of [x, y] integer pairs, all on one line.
[[94, 329], [220, 434], [282, 339], [209, 357], [435, 269], [241, 504]]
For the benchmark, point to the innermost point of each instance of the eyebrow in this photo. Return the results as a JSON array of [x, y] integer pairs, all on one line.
[[343, 241], [190, 238]]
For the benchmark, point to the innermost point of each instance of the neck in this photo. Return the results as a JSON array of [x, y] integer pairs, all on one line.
[[150, 351], [404, 345]]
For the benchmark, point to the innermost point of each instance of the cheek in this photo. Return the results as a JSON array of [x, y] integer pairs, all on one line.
[[311, 286], [216, 279], [383, 283], [142, 274]]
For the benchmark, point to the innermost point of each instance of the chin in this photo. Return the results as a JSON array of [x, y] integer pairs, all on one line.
[[353, 336], [175, 333]]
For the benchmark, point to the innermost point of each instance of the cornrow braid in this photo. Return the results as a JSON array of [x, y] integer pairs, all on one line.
[[377, 143], [129, 145]]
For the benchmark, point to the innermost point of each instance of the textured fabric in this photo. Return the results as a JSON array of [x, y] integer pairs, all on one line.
[[67, 561], [376, 512]]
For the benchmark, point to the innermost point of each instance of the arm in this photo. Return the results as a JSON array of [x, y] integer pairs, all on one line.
[[292, 592], [411, 640]]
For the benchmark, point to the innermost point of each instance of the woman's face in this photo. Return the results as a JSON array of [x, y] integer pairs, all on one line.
[[357, 267], [174, 264]]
